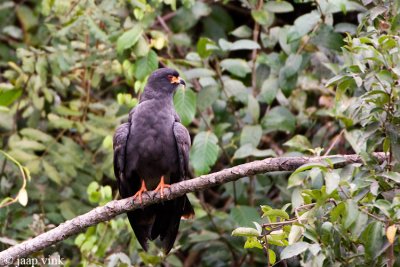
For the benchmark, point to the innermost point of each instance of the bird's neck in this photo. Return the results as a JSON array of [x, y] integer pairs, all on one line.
[[164, 100]]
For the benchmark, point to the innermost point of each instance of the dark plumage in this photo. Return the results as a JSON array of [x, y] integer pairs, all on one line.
[[151, 145]]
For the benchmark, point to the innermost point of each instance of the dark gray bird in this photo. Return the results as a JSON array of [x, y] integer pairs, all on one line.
[[151, 151]]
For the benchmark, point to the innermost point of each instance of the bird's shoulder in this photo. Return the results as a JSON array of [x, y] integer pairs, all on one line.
[[120, 135], [181, 133]]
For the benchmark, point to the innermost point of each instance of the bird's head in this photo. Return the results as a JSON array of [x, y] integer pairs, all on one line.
[[163, 82]]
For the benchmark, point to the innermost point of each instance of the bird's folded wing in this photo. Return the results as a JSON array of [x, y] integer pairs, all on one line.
[[182, 138], [119, 143]]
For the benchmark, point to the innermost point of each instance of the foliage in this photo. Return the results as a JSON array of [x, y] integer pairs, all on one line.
[[260, 84]]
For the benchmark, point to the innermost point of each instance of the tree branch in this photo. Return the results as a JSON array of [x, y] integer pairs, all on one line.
[[116, 207]]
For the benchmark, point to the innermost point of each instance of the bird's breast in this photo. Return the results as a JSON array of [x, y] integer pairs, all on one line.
[[152, 142]]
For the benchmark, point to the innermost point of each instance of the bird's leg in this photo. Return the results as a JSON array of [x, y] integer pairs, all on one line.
[[140, 192], [160, 187]]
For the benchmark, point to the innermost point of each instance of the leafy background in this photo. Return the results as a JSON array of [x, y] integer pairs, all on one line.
[[265, 78]]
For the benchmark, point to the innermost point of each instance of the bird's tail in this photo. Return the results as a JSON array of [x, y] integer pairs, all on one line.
[[188, 211], [160, 220], [169, 233], [141, 221]]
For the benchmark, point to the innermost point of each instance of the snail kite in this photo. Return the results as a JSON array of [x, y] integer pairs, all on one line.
[[151, 151]]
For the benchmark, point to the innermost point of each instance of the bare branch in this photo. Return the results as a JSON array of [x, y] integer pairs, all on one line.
[[116, 207]]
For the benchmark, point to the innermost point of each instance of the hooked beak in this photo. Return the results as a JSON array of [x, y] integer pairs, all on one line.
[[178, 80], [182, 81]]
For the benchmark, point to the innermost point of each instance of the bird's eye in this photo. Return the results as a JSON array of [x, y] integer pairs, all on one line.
[[173, 79]]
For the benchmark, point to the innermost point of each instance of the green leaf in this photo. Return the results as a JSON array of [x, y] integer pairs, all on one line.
[[298, 142], [244, 151], [277, 239], [205, 47], [141, 48], [244, 45], [41, 68], [245, 231], [200, 9], [92, 187], [242, 32], [224, 44], [22, 156], [121, 259], [253, 108], [269, 89], [68, 210], [294, 250], [89, 242], [95, 30], [292, 65], [376, 11], [394, 176], [236, 89], [297, 198], [10, 96], [263, 153], [129, 38], [321, 165], [271, 256], [306, 23], [94, 197], [203, 236], [80, 239], [326, 232], [183, 20], [248, 150], [273, 213], [252, 242], [279, 6], [251, 134], [328, 38], [295, 234], [185, 105], [198, 73], [2, 123], [46, 6], [106, 193], [36, 135], [27, 18], [261, 16], [238, 67], [359, 226], [245, 215], [204, 152], [279, 119], [357, 140], [372, 238], [28, 145], [384, 206], [337, 212], [128, 70], [289, 73], [149, 259], [59, 122], [351, 213], [52, 172], [146, 65], [332, 180], [207, 96]]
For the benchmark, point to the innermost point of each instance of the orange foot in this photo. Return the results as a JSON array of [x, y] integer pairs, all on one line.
[[140, 192], [161, 186]]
